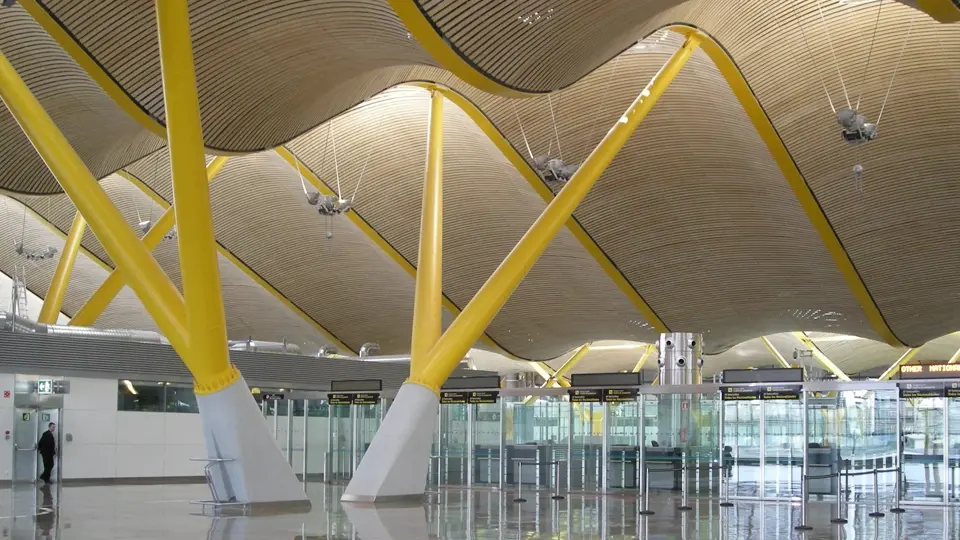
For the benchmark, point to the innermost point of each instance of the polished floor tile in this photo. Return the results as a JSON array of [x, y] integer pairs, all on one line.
[[166, 512]]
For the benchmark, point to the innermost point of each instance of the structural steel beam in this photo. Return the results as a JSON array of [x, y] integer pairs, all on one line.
[[208, 360], [53, 301], [822, 358], [153, 288], [945, 11], [904, 359], [643, 359], [955, 358], [428, 293], [98, 302], [776, 354], [214, 166], [557, 378], [378, 240], [470, 324], [526, 171]]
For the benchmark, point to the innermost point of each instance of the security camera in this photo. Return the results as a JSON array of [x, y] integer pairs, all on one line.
[[700, 362], [681, 361], [795, 355], [669, 343], [693, 343]]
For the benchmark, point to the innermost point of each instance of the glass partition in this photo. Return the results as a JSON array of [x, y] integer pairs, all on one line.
[[922, 446], [623, 438], [535, 437], [741, 447], [339, 459], [953, 414], [486, 444], [451, 446], [783, 446], [586, 446]]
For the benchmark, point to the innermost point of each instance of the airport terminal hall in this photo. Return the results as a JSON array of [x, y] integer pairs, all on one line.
[[480, 269]]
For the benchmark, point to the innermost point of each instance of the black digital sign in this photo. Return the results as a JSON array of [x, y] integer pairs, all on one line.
[[467, 383], [365, 398], [930, 371], [763, 375], [921, 390], [586, 395], [605, 380], [739, 393], [468, 397], [619, 395], [364, 385], [780, 393], [340, 399]]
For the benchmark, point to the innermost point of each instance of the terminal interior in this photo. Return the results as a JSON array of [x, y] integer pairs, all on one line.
[[414, 269]]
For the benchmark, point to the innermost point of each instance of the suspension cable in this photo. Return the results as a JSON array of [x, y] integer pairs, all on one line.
[[336, 166], [522, 133], [866, 69], [896, 68], [806, 43], [833, 54], [606, 93], [554, 120], [296, 162], [365, 161]]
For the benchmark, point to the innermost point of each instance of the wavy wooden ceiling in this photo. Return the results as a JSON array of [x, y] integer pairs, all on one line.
[[312, 60]]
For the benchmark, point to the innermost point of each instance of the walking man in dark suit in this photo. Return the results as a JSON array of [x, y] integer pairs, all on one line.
[[47, 446]]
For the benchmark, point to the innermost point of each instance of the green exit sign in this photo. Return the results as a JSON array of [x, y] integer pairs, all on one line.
[[45, 386]]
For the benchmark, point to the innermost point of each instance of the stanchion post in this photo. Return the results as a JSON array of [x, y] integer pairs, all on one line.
[[684, 506], [876, 498], [646, 511], [520, 498], [556, 482], [897, 509], [839, 520], [804, 495], [725, 483]]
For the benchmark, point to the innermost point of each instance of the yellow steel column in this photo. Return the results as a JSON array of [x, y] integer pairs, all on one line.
[[776, 354], [904, 359], [650, 348], [152, 287], [206, 324], [108, 290], [475, 317], [945, 11], [428, 300], [61, 277]]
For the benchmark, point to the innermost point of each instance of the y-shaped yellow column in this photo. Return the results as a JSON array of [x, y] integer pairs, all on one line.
[[428, 299], [53, 301], [395, 465]]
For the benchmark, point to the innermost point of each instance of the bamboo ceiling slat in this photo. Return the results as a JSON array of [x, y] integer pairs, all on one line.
[[564, 301], [100, 133]]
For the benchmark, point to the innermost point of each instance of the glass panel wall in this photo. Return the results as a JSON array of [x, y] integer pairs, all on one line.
[[741, 447], [623, 437], [922, 445], [486, 444], [953, 415], [535, 441], [784, 443]]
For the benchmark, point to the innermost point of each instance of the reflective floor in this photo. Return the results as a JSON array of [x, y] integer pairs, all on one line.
[[153, 512]]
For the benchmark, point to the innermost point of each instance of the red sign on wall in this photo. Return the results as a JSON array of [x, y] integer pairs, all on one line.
[[6, 394]]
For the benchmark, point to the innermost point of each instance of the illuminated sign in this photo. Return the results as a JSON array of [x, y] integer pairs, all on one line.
[[45, 386], [464, 397], [586, 395], [619, 395], [921, 390], [930, 371], [353, 398]]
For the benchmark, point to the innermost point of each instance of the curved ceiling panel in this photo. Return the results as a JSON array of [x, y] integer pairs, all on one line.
[[564, 301], [693, 210], [103, 136], [266, 71]]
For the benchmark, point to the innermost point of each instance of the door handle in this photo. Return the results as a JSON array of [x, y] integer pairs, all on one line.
[[18, 449]]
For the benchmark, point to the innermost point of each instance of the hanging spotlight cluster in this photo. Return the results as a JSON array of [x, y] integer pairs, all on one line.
[[554, 170], [148, 224], [854, 127], [331, 205], [36, 255]]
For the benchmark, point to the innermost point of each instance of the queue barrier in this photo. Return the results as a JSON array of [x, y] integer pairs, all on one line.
[[556, 477], [216, 501], [840, 519]]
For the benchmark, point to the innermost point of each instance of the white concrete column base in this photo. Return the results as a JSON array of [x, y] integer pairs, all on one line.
[[234, 429], [395, 465]]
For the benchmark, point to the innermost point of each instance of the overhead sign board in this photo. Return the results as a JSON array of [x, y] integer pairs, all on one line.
[[586, 395], [364, 385], [780, 393], [602, 395], [353, 398], [468, 397], [467, 383], [921, 390], [930, 371], [605, 380], [619, 395], [739, 393], [763, 375]]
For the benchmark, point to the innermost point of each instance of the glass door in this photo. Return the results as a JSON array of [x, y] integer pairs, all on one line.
[[922, 447], [586, 446], [366, 422], [486, 444], [340, 441], [953, 414], [452, 452], [741, 447], [623, 438], [783, 447], [26, 424], [703, 445]]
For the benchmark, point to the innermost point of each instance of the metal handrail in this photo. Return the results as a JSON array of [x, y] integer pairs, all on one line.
[[208, 475]]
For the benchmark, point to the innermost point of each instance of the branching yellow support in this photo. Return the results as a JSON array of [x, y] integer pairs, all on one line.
[[776, 354], [53, 301], [558, 377], [152, 287], [904, 359], [945, 11], [456, 341], [98, 302], [650, 349], [428, 294], [208, 358], [955, 358], [822, 358]]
